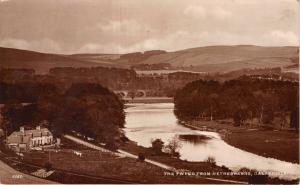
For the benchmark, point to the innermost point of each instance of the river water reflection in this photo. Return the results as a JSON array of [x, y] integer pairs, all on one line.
[[150, 121]]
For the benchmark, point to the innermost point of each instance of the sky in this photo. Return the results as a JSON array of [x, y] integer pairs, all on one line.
[[122, 26]]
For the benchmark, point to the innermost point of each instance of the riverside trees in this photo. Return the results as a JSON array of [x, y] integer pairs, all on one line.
[[240, 99], [87, 108]]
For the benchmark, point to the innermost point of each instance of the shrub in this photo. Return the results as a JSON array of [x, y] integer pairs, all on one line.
[[211, 160], [157, 145], [111, 146], [173, 146], [141, 157]]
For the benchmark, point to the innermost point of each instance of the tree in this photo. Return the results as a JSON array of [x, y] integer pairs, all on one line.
[[90, 109], [237, 118], [16, 115], [212, 104], [141, 157], [241, 99], [111, 145], [240, 117], [268, 117], [294, 120], [173, 147], [157, 145], [211, 160]]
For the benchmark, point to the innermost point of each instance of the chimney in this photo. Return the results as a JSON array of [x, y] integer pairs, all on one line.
[[22, 129], [38, 128]]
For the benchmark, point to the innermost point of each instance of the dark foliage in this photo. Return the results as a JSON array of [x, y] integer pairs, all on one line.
[[16, 115], [240, 99], [24, 91], [295, 118], [157, 146], [141, 157], [83, 89], [87, 108]]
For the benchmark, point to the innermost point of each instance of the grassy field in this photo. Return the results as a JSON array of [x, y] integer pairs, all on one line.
[[279, 144], [105, 165]]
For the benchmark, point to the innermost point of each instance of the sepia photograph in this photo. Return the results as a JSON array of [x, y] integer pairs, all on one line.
[[149, 92]]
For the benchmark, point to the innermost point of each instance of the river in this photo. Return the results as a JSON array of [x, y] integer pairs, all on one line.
[[145, 122]]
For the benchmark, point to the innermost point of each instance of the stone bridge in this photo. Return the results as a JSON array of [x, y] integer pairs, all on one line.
[[131, 93]]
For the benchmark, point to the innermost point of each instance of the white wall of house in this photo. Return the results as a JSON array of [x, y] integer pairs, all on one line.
[[44, 140]]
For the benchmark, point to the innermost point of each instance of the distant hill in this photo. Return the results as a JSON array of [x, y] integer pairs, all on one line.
[[103, 59], [41, 62], [228, 58], [206, 59], [201, 59]]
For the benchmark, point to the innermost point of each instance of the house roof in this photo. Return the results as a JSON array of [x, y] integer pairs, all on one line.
[[20, 137]]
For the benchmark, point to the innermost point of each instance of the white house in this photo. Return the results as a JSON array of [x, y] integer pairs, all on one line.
[[24, 140]]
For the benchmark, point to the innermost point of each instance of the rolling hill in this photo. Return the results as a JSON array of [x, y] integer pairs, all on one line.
[[201, 59], [210, 58], [228, 58], [41, 62]]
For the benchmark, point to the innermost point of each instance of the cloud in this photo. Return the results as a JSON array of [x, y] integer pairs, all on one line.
[[44, 45], [128, 27], [138, 25], [103, 48], [91, 48], [184, 39], [15, 43], [176, 40], [198, 12], [287, 37], [195, 11], [221, 13]]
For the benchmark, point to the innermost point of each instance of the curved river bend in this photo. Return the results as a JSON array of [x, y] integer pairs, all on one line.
[[150, 121]]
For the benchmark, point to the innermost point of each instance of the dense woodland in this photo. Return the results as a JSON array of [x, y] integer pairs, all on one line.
[[127, 79], [241, 99], [88, 108]]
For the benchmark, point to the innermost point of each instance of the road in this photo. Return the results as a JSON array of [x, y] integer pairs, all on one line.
[[127, 154], [9, 175]]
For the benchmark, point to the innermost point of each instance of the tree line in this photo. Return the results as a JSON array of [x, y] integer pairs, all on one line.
[[240, 99], [88, 108]]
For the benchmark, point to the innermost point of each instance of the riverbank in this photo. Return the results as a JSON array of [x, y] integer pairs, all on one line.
[[278, 144], [184, 169], [207, 167]]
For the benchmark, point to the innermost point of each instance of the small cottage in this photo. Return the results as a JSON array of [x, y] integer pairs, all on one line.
[[25, 140]]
